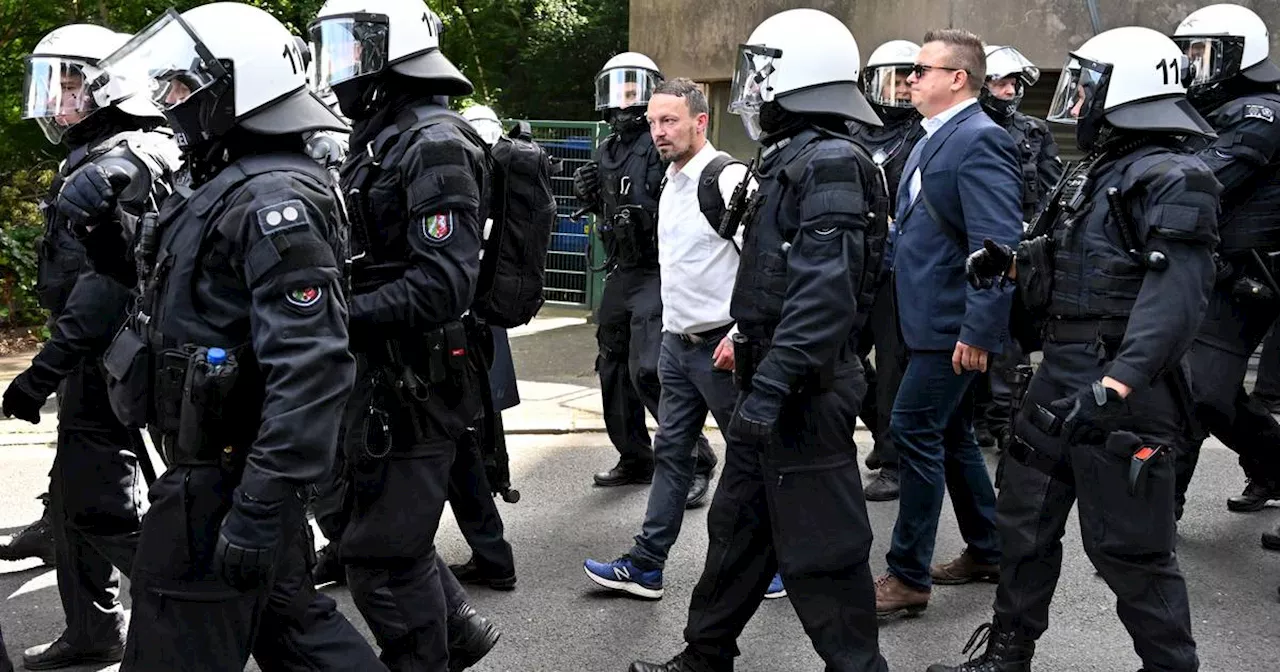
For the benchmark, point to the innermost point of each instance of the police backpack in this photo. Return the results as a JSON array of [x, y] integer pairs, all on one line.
[[513, 261]]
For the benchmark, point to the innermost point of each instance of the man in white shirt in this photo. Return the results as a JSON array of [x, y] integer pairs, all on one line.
[[698, 270]]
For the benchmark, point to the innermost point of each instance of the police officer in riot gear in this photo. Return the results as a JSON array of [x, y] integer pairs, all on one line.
[[884, 81], [1234, 87], [1109, 405], [1009, 73], [97, 482], [621, 188], [790, 496], [417, 195], [236, 357]]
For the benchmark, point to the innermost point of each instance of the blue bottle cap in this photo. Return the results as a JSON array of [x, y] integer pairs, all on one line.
[[216, 356]]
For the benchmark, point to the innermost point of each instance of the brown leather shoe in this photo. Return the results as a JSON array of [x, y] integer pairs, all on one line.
[[964, 569], [893, 597]]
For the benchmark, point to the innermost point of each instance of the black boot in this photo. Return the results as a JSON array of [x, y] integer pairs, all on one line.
[[329, 569], [1006, 652], [1271, 540], [1255, 496], [683, 662], [33, 541], [625, 474], [473, 573], [471, 637], [884, 487], [983, 434]]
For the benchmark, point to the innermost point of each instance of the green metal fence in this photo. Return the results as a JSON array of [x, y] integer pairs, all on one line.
[[570, 279]]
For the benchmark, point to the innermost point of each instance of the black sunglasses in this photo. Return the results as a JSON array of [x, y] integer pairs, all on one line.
[[919, 69]]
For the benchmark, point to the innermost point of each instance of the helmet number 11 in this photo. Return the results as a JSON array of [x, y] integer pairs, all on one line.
[[1167, 68]]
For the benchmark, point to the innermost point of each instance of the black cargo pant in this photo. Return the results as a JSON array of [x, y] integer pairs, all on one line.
[[881, 331], [1129, 537], [476, 509], [97, 497], [398, 457], [629, 335], [5, 664], [186, 618], [1219, 361], [796, 506]]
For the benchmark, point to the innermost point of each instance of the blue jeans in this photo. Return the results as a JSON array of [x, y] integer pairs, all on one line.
[[691, 386], [933, 430]]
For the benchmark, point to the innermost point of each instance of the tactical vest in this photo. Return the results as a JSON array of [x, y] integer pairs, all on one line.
[[151, 363], [1250, 218], [376, 199], [1030, 140], [1094, 276], [761, 285], [892, 144], [630, 178]]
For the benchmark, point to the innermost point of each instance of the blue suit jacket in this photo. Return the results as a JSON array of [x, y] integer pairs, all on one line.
[[969, 173]]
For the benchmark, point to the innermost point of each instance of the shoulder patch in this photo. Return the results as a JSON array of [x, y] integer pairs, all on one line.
[[438, 228], [283, 216], [304, 297], [1260, 112]]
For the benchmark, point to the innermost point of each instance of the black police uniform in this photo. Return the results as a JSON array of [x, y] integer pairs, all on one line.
[[416, 224], [1041, 170], [1244, 304], [629, 320], [893, 143], [795, 503], [97, 486], [245, 261], [1132, 321]]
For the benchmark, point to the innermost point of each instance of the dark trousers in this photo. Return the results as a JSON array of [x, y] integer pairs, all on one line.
[[476, 509], [1128, 537], [1218, 361], [186, 618], [5, 664], [629, 335], [992, 396], [1267, 386], [937, 452], [691, 386], [881, 331], [97, 498], [794, 505], [398, 492]]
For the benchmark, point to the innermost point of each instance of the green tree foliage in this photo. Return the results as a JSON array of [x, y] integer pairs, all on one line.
[[528, 58]]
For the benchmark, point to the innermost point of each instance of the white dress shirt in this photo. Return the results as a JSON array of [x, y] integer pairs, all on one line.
[[697, 266], [931, 126]]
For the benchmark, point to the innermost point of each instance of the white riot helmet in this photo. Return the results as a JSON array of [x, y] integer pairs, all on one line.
[[1003, 63], [884, 79], [207, 78], [1131, 78], [807, 62], [485, 121], [357, 39], [626, 80], [1221, 42], [58, 74]]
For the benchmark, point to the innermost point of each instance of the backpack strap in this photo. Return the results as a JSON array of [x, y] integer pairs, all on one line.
[[710, 200]]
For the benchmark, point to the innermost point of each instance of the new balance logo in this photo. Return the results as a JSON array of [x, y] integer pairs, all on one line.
[[621, 573]]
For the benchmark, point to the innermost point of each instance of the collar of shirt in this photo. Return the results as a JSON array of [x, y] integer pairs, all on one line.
[[693, 169], [936, 122]]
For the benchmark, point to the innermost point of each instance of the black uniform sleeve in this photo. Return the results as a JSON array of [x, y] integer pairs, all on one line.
[[297, 321], [1048, 168], [444, 175], [824, 267], [1248, 141], [92, 315], [1177, 216]]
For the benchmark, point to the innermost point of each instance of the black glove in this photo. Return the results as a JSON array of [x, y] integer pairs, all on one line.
[[755, 421], [586, 184], [247, 542], [989, 264], [89, 195], [22, 402], [1091, 414]]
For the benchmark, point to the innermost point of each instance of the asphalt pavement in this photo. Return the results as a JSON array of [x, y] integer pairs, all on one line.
[[557, 621]]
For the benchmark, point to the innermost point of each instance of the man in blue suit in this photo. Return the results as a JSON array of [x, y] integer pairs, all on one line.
[[960, 185]]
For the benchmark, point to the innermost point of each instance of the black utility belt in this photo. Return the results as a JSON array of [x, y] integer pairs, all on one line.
[[1085, 330], [437, 356]]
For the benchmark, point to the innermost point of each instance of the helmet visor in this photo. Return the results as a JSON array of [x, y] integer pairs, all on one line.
[[620, 88], [347, 47], [167, 59], [55, 93], [1009, 62], [1079, 87], [1213, 58], [755, 65], [887, 86]]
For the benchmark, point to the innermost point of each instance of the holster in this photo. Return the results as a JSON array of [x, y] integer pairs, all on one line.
[[635, 236], [198, 409], [748, 353], [1039, 442], [126, 366], [434, 371]]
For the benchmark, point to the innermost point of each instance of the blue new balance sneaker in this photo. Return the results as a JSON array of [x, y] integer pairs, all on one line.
[[775, 589], [623, 575]]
